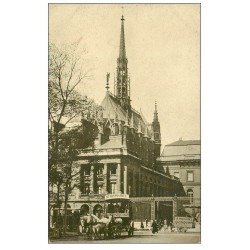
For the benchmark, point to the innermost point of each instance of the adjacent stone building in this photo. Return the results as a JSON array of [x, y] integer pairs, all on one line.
[[182, 160]]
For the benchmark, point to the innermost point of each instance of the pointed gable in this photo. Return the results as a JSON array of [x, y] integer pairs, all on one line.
[[112, 110]]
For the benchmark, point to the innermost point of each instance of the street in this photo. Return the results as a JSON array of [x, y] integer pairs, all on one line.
[[139, 237]]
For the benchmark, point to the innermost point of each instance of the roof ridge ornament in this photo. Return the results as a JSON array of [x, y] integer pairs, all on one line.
[[107, 83]]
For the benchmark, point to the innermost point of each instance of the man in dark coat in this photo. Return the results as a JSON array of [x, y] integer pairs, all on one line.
[[154, 227]]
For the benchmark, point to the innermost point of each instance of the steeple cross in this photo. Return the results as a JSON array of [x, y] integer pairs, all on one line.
[[122, 15]]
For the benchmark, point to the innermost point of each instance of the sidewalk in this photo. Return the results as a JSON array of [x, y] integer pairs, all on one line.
[[149, 232]]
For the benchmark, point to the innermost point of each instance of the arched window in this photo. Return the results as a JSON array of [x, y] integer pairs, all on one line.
[[97, 210], [84, 210], [190, 194]]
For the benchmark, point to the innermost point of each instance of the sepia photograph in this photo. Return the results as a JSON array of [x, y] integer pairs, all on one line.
[[108, 110], [124, 148]]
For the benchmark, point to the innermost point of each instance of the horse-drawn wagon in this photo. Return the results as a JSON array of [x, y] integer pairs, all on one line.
[[118, 208], [117, 218]]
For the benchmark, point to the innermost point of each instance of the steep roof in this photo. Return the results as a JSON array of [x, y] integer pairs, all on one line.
[[112, 109]]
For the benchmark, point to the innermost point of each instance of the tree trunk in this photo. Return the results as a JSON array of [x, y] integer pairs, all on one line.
[[65, 210], [48, 209], [58, 211]]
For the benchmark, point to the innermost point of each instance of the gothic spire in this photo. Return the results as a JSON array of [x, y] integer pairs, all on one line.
[[122, 81], [122, 53], [156, 112], [156, 132]]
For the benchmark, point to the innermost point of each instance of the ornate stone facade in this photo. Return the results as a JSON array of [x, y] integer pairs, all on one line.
[[123, 158]]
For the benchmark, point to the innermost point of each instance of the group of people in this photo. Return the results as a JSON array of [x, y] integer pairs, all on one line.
[[72, 220], [76, 222], [117, 208], [157, 225], [154, 225]]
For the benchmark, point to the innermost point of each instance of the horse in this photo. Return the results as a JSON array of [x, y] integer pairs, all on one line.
[[114, 227], [118, 222], [100, 227], [95, 227], [86, 224]]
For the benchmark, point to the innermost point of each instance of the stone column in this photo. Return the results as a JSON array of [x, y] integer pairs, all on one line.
[[91, 209], [118, 178], [140, 185], [134, 184], [125, 180], [92, 179], [105, 169], [174, 207], [153, 209], [157, 210]]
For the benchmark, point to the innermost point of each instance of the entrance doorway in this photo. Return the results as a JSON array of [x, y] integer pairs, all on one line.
[[165, 211]]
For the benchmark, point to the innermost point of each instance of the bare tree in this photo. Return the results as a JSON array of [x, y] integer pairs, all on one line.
[[66, 73]]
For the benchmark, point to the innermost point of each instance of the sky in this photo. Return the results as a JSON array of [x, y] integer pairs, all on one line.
[[163, 52]]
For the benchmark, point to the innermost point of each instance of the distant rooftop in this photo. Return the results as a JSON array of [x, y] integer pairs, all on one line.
[[181, 150], [185, 143]]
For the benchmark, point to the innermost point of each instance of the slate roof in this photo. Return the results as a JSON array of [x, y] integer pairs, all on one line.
[[112, 107]]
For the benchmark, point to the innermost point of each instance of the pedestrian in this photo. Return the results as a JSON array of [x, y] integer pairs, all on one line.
[[146, 223], [142, 226], [81, 225], [165, 225], [59, 224], [70, 221], [131, 228], [154, 227], [171, 226]]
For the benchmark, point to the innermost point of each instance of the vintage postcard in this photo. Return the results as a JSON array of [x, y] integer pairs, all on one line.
[[124, 123]]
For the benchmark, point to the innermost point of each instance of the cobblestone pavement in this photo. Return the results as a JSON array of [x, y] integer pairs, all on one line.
[[139, 237]]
